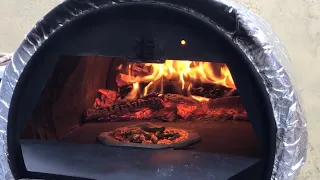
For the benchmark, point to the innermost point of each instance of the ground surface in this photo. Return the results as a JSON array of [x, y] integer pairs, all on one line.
[[296, 22]]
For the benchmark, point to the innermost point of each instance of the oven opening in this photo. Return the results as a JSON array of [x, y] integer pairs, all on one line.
[[101, 116]]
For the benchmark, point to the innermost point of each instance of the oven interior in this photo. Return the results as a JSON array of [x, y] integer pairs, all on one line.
[[89, 95]]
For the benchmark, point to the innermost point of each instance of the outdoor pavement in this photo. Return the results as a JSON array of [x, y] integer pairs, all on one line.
[[297, 22]]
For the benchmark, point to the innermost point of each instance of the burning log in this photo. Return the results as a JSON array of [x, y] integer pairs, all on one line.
[[220, 109], [153, 101], [169, 108], [189, 92], [139, 69], [225, 102], [207, 90], [224, 117], [108, 97], [108, 94], [126, 89], [213, 91], [169, 86], [167, 114]]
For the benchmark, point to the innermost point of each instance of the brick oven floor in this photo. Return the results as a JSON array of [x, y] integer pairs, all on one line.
[[233, 138]]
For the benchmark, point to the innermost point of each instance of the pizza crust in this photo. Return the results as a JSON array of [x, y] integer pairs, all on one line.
[[186, 138]]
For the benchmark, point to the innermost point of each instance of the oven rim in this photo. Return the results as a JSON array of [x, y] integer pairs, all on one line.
[[14, 149]]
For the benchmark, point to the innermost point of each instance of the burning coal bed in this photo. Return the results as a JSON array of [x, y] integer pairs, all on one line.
[[176, 91]]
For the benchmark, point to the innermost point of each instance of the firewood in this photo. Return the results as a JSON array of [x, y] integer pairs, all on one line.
[[211, 90], [232, 92], [224, 117], [225, 102], [152, 101], [190, 109], [167, 108], [139, 69], [207, 90], [108, 97], [180, 99], [108, 94], [126, 89], [169, 86], [173, 107], [167, 114]]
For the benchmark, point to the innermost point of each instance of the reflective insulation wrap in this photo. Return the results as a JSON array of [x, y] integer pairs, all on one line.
[[263, 49], [5, 58]]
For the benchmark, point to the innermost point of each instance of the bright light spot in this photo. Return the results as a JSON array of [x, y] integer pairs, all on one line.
[[183, 42]]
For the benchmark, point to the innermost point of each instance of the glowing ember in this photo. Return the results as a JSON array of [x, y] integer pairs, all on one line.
[[185, 73], [200, 99]]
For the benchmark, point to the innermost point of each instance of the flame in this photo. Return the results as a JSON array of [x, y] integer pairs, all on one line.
[[200, 99], [135, 91], [183, 71]]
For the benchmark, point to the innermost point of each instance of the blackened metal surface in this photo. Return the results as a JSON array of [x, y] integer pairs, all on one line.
[[254, 36], [96, 161]]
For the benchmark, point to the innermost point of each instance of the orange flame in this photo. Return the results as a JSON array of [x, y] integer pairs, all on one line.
[[185, 72], [200, 99]]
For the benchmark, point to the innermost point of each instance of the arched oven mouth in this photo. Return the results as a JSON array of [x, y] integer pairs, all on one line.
[[175, 113], [117, 93]]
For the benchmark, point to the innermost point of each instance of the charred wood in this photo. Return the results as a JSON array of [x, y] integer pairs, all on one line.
[[207, 90], [126, 89], [167, 108], [225, 102], [107, 98], [153, 101], [213, 91]]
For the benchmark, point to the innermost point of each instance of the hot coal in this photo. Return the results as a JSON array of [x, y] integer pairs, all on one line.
[[211, 90], [165, 108], [207, 90], [122, 107]]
